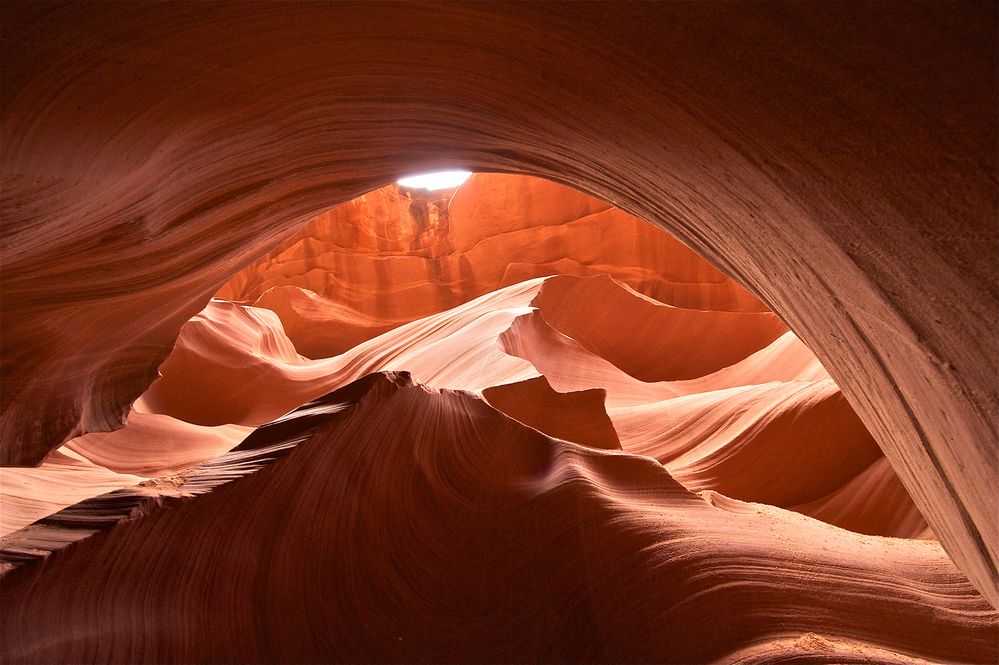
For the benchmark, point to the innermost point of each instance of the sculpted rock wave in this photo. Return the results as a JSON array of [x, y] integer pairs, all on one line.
[[839, 161], [399, 437], [411, 524]]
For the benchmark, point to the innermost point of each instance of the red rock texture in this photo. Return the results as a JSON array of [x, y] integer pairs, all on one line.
[[733, 409], [840, 161], [614, 560], [397, 254]]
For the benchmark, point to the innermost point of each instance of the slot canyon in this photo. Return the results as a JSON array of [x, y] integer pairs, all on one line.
[[695, 361]]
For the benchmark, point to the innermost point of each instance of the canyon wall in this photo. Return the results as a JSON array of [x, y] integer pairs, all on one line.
[[840, 162], [394, 255], [603, 470]]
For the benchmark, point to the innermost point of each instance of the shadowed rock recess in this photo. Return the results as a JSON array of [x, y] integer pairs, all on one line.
[[261, 405]]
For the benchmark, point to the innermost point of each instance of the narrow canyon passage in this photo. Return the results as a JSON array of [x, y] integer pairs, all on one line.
[[699, 366], [487, 422]]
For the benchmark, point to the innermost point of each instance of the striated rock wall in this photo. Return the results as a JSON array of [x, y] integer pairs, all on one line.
[[613, 559], [393, 255], [839, 161], [608, 474]]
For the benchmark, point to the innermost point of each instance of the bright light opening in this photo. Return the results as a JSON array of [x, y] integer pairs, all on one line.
[[438, 180]]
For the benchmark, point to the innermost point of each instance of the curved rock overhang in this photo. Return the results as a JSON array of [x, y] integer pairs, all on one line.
[[839, 161]]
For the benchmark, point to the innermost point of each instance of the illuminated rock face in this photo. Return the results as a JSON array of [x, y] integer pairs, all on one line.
[[839, 164], [538, 421], [413, 525], [394, 255], [728, 400]]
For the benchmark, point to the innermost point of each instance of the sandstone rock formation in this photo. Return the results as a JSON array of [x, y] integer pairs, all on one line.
[[440, 478], [840, 162], [395, 255], [742, 422]]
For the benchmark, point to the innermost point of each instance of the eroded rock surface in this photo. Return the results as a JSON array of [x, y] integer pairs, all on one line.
[[839, 162], [479, 467]]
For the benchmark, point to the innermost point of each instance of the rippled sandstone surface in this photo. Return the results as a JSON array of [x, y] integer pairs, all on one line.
[[481, 465], [840, 162]]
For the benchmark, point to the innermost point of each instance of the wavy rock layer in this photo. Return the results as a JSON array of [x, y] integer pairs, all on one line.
[[841, 162], [150, 447], [520, 539], [772, 427], [394, 255], [561, 469]]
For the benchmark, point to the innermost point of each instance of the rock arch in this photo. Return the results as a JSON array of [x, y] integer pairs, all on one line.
[[840, 163]]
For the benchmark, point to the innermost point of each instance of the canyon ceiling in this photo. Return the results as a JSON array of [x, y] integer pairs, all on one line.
[[839, 161]]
